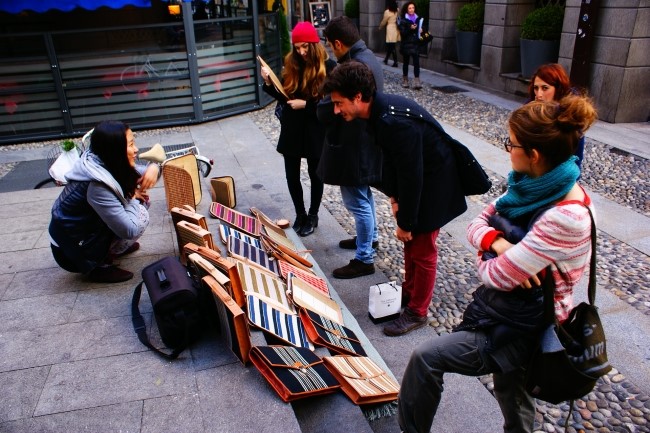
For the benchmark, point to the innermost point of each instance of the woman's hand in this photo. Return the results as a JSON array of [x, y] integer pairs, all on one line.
[[500, 246], [266, 75], [149, 178], [297, 104], [141, 196]]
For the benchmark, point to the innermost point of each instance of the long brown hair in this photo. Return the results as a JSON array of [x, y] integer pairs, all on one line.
[[302, 77]]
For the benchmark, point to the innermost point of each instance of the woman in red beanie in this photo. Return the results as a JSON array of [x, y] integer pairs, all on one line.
[[301, 135]]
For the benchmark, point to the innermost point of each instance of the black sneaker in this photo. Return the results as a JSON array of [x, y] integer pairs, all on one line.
[[351, 244], [405, 323], [354, 269], [109, 274]]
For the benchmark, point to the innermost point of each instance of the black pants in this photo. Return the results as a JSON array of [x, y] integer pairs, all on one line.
[[416, 64], [390, 50], [292, 173]]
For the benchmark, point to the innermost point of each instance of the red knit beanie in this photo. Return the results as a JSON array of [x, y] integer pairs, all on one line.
[[304, 32]]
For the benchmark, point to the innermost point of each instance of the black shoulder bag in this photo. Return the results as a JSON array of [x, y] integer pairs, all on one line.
[[571, 356]]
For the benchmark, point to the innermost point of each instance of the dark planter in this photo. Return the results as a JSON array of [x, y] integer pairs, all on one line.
[[537, 53], [468, 47]]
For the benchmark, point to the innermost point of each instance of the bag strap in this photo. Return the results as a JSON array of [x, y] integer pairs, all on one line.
[[549, 287], [141, 329]]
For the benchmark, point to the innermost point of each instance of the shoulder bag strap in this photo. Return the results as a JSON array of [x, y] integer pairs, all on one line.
[[141, 329]]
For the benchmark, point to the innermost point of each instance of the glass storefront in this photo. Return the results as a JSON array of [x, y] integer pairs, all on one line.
[[187, 69]]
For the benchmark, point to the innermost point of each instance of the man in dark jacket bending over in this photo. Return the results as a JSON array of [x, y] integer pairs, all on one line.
[[350, 158], [419, 175]]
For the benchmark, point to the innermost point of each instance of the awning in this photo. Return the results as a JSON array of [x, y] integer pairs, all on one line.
[[39, 6]]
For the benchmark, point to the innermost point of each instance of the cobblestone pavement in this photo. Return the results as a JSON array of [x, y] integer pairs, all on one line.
[[615, 405]]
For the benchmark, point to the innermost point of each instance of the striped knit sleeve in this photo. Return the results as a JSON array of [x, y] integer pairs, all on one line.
[[479, 229], [560, 238]]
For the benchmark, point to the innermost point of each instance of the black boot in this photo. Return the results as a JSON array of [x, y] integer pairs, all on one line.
[[311, 222], [299, 222]]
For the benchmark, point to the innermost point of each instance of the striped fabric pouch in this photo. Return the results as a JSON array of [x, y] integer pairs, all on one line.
[[336, 337], [251, 255], [265, 286], [363, 381], [286, 327], [226, 231], [238, 220], [307, 276], [293, 372]]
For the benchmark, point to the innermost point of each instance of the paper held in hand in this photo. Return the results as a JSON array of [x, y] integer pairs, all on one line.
[[274, 78]]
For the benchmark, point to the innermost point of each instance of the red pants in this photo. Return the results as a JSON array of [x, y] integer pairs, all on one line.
[[420, 261]]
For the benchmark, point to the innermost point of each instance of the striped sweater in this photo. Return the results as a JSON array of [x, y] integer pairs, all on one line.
[[561, 238]]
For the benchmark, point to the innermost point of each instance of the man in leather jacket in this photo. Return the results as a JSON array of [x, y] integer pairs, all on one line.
[[419, 175]]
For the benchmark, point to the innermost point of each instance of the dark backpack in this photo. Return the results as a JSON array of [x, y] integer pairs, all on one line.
[[175, 303]]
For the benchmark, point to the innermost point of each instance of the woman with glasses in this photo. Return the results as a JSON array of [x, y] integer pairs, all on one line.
[[542, 141]]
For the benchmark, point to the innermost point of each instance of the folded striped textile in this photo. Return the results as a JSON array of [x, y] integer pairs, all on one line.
[[293, 372], [286, 327], [307, 276], [238, 220], [251, 255], [225, 231], [266, 286], [336, 337], [362, 380], [306, 296]]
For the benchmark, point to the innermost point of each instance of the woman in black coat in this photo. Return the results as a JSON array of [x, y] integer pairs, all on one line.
[[410, 27], [301, 134]]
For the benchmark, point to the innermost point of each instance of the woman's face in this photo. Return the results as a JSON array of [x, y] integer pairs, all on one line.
[[131, 150], [543, 91], [518, 157], [411, 9], [302, 49]]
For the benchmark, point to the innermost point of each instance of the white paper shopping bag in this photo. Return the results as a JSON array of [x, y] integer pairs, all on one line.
[[384, 302]]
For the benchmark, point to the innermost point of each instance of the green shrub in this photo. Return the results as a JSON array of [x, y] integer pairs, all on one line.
[[352, 8], [543, 24], [283, 27], [470, 17], [67, 145]]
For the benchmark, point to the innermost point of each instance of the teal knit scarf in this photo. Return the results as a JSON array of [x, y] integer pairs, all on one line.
[[526, 194]]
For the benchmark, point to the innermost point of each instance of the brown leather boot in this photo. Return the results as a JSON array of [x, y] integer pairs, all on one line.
[[405, 82], [417, 85]]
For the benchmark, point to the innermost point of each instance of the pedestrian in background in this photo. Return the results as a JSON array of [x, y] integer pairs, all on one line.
[[542, 138], [301, 134], [102, 211], [419, 175], [392, 32], [350, 158], [550, 82], [410, 27]]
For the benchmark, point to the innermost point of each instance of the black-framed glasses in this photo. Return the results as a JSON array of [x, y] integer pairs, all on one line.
[[508, 144]]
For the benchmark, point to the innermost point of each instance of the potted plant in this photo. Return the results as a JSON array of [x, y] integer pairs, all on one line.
[[540, 38], [469, 32], [352, 10]]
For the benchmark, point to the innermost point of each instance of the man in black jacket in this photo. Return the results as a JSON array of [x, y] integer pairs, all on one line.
[[350, 158], [419, 175]]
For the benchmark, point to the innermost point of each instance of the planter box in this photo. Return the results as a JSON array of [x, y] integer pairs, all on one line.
[[468, 47], [537, 53]]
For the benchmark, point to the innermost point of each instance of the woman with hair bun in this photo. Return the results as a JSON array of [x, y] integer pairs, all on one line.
[[541, 143]]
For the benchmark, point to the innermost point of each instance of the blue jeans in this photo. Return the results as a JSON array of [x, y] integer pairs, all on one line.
[[359, 202]]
